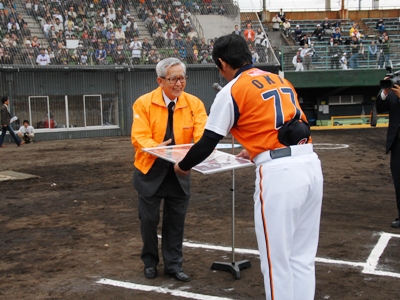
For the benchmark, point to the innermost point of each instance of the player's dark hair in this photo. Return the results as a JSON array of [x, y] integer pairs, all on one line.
[[25, 121], [233, 50], [4, 99]]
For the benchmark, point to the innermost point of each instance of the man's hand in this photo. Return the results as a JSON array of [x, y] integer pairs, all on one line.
[[243, 154], [179, 171], [396, 90], [166, 143]]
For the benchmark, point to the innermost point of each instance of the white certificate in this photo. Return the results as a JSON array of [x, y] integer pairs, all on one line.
[[218, 161]]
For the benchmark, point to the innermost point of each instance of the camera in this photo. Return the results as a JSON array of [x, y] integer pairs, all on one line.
[[394, 78]]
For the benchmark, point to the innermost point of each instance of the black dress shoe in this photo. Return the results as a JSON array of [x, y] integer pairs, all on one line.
[[150, 273], [396, 223], [180, 276]]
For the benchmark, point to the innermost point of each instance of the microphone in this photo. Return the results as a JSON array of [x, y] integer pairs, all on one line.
[[216, 86]]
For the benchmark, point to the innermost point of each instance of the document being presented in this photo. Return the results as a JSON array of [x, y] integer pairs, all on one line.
[[218, 161]]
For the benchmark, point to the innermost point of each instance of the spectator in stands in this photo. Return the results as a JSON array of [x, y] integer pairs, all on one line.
[[153, 57], [136, 48], [82, 10], [327, 27], [20, 20], [14, 31], [111, 14], [186, 28], [380, 25], [58, 16], [373, 52], [58, 25], [357, 34], [100, 55], [334, 54], [118, 56], [281, 15], [146, 47], [169, 19], [307, 53], [43, 59], [110, 46], [353, 27], [83, 59], [254, 55], [179, 43], [129, 34], [119, 34], [110, 33], [6, 40], [343, 61], [298, 61], [27, 49], [221, 10], [177, 54], [286, 27], [46, 27], [52, 33], [203, 46], [337, 36], [237, 31], [108, 24], [7, 58], [276, 22], [193, 35], [318, 33], [3, 19], [298, 33], [355, 48], [159, 38], [28, 7], [190, 55], [11, 23], [305, 39], [63, 57], [169, 37], [206, 59], [72, 14], [247, 21], [249, 34], [260, 42], [385, 52]]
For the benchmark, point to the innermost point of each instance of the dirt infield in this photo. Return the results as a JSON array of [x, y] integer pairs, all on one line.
[[78, 223]]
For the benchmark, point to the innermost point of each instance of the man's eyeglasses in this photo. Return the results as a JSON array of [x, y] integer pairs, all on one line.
[[174, 80]]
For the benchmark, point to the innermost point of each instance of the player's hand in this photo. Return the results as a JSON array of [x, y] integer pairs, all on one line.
[[396, 90], [243, 154], [166, 143], [179, 171]]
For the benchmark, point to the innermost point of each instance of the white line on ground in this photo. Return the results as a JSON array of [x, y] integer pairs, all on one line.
[[373, 258], [157, 289]]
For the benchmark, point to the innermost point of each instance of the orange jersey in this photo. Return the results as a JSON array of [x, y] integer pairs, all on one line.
[[253, 106]]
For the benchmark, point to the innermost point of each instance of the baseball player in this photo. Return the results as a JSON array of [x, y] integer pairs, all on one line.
[[262, 112]]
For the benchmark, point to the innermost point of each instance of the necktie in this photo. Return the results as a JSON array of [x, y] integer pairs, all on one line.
[[170, 125]]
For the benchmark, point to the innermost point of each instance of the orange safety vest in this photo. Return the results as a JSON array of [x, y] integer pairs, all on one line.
[[150, 117]]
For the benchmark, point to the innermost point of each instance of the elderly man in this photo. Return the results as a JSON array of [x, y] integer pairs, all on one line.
[[165, 116]]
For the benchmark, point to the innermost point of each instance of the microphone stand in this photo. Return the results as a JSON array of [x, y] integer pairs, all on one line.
[[233, 267]]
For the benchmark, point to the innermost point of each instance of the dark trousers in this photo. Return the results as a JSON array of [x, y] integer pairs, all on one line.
[[395, 169], [175, 207], [11, 131]]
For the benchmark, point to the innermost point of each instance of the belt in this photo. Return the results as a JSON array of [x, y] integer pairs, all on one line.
[[269, 155]]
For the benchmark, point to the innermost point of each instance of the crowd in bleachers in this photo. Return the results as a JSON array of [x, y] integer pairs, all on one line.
[[103, 32], [339, 44]]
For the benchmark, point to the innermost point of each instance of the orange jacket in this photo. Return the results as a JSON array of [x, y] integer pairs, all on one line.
[[150, 117], [250, 32]]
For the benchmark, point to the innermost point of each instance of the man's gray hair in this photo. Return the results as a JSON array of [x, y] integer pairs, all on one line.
[[163, 66]]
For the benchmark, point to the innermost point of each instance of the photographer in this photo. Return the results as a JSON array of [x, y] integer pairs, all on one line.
[[389, 101], [26, 132]]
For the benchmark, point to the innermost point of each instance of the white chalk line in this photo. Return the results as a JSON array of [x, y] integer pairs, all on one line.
[[327, 146], [158, 289], [369, 267]]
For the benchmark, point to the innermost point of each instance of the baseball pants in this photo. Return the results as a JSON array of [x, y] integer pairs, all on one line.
[[287, 210]]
